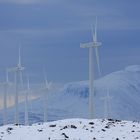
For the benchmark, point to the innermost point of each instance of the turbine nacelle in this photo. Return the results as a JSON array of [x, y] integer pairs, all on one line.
[[90, 45], [20, 68], [15, 69], [48, 85]]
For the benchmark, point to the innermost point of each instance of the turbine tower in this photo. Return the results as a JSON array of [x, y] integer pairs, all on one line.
[[46, 88], [5, 85], [26, 102], [18, 79], [94, 44], [106, 100]]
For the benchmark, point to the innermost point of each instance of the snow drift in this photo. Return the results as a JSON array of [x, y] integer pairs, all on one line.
[[74, 129]]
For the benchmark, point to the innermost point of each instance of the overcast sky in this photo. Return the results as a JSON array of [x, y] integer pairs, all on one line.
[[50, 33]]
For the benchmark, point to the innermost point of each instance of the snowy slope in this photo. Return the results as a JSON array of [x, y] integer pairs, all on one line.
[[72, 100], [74, 129]]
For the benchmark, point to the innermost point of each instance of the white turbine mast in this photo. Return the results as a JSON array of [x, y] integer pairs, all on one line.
[[26, 102], [106, 100], [46, 88], [18, 79], [6, 84], [94, 44]]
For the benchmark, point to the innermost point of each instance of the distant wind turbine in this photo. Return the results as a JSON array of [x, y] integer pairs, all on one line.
[[106, 100], [26, 102], [46, 88], [18, 79], [5, 85], [94, 44]]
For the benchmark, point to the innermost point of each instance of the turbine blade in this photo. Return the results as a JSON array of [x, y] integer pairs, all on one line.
[[98, 61], [47, 83], [108, 93], [19, 57], [21, 79], [28, 83], [94, 31], [50, 84], [45, 78], [7, 76]]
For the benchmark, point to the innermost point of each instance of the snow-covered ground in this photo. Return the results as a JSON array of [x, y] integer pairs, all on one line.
[[72, 100], [74, 129]]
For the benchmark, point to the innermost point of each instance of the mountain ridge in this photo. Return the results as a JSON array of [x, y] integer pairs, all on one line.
[[72, 100]]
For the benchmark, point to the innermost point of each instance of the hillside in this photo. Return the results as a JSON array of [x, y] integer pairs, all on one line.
[[74, 129], [72, 100]]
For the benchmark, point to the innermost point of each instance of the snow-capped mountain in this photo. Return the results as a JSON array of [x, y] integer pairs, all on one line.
[[72, 100], [74, 129]]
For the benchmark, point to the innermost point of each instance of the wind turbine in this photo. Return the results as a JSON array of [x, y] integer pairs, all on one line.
[[5, 85], [46, 88], [94, 44], [106, 100], [18, 79], [26, 102]]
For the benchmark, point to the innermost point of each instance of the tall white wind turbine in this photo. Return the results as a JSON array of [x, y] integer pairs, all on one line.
[[46, 89], [5, 85], [94, 44], [18, 80]]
